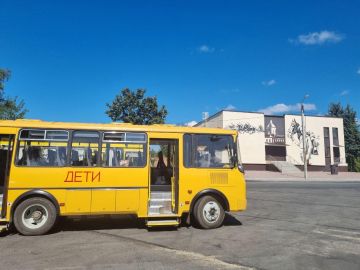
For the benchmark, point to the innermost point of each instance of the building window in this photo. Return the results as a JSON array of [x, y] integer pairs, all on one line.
[[336, 152], [327, 142], [335, 133], [326, 132], [85, 148]]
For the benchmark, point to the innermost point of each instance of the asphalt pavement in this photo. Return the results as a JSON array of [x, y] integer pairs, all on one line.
[[288, 225]]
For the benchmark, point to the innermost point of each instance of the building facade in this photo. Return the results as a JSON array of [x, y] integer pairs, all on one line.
[[265, 139]]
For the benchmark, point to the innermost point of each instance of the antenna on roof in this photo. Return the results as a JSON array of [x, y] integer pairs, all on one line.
[[205, 116]]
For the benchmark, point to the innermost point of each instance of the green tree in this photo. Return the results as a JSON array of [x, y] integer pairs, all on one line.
[[351, 133], [133, 107], [4, 76], [10, 108]]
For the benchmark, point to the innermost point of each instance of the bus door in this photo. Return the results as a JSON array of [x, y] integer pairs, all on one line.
[[6, 150], [163, 176]]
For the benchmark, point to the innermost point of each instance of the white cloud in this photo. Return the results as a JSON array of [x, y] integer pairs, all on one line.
[[229, 107], [234, 90], [284, 108], [269, 83], [206, 49], [191, 123], [344, 93], [318, 38], [358, 71]]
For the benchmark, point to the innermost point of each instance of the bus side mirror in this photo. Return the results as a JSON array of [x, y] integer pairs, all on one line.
[[241, 168]]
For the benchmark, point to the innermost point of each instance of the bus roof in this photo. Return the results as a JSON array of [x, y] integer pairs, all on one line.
[[30, 123]]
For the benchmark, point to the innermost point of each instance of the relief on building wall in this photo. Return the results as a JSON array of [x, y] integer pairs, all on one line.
[[246, 128], [275, 130], [311, 140]]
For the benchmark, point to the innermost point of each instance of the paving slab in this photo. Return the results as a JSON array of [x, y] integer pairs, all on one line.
[[288, 225]]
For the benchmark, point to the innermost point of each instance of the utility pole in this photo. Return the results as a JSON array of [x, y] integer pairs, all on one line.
[[304, 136]]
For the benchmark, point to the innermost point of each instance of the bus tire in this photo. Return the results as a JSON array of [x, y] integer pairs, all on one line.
[[35, 216], [208, 212]]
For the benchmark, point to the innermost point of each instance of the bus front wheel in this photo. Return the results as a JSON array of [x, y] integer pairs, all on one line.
[[209, 213], [35, 216]]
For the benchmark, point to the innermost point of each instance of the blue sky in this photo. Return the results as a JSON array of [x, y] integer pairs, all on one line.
[[68, 58]]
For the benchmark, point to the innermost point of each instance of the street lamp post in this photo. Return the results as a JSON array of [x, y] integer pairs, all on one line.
[[304, 136]]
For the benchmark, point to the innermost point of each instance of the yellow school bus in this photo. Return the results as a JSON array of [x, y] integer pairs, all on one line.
[[158, 172]]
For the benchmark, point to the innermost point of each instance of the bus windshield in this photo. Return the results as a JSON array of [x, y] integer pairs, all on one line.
[[209, 151]]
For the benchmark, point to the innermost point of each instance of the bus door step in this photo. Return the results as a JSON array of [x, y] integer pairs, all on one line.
[[3, 227], [160, 203], [162, 222], [3, 224]]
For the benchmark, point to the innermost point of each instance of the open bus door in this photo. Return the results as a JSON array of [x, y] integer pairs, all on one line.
[[164, 181], [6, 152], [175, 177]]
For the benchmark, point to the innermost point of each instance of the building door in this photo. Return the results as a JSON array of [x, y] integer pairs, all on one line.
[[327, 148], [275, 152]]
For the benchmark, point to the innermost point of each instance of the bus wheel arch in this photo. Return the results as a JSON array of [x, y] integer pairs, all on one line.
[[35, 193], [39, 202], [205, 199]]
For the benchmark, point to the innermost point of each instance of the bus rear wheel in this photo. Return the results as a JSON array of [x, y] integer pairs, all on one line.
[[209, 213], [35, 216]]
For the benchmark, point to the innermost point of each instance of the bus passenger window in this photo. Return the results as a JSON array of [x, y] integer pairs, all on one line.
[[85, 148], [123, 155], [123, 149], [42, 148], [41, 154]]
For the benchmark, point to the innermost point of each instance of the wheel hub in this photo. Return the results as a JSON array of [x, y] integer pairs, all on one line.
[[211, 211], [36, 215]]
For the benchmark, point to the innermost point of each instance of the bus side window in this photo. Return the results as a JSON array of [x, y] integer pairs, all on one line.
[[123, 155], [41, 154], [124, 149], [85, 148], [187, 150], [42, 148]]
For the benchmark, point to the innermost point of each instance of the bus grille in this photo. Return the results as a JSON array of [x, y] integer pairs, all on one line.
[[219, 178]]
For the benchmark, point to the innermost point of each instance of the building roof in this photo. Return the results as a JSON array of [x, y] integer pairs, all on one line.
[[236, 111]]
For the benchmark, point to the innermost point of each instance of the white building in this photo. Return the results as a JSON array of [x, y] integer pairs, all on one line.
[[266, 140]]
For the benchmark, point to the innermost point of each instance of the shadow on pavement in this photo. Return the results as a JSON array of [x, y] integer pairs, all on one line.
[[121, 222], [109, 222], [85, 223], [231, 220]]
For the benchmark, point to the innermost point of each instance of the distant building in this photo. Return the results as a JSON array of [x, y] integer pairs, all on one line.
[[267, 140]]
